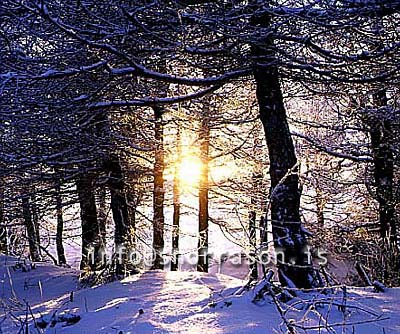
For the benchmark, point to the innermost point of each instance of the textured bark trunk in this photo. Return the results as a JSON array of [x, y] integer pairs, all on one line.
[[253, 245], [177, 206], [60, 226], [256, 181], [30, 229], [102, 216], [90, 227], [124, 231], [132, 205], [289, 237], [320, 206], [204, 139], [3, 229], [285, 194], [35, 219], [158, 192], [382, 140]]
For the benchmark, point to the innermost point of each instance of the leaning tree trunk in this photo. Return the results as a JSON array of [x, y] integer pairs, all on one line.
[[30, 229], [90, 227], [158, 191], [204, 139], [124, 232], [289, 237], [3, 228], [60, 225], [177, 205]]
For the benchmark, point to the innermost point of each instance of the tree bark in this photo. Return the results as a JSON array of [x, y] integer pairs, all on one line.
[[289, 237], [30, 229], [320, 204], [124, 231], [382, 140], [158, 191], [3, 228], [90, 227], [204, 139], [102, 216], [60, 225], [177, 205], [256, 180], [35, 219], [253, 245]]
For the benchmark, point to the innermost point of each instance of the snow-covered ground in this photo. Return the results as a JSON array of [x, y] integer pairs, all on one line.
[[160, 302]]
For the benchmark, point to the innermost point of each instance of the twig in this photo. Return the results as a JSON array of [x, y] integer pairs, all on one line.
[[86, 305]]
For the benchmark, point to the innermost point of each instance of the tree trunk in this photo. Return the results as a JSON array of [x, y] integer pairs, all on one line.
[[132, 205], [382, 139], [90, 227], [158, 192], [289, 237], [177, 205], [320, 203], [204, 139], [35, 219], [60, 225], [124, 231], [3, 228], [102, 216], [30, 229], [253, 245], [256, 180]]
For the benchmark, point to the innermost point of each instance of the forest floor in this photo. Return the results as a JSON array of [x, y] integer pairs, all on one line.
[[158, 302]]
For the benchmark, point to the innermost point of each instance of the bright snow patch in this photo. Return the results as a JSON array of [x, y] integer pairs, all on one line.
[[159, 302]]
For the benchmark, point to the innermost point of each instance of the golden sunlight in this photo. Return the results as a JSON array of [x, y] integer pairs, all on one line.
[[190, 171]]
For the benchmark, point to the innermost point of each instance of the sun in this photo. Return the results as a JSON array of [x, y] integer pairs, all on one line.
[[189, 171]]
